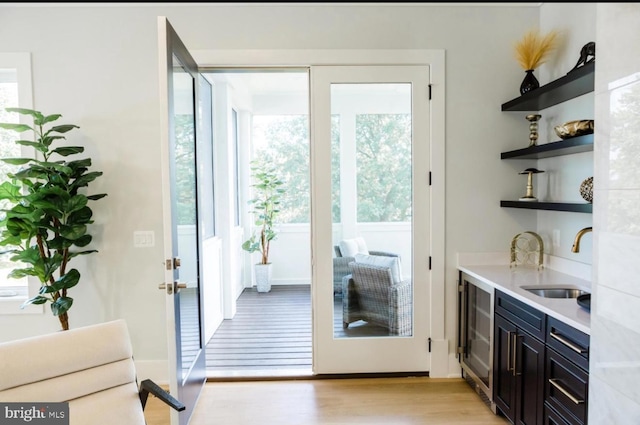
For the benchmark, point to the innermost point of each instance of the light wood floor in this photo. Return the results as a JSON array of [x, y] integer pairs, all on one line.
[[397, 401]]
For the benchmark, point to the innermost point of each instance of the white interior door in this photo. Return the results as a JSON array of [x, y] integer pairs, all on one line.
[[182, 241], [381, 116]]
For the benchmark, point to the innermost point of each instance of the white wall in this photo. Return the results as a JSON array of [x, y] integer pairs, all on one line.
[[563, 175], [97, 65]]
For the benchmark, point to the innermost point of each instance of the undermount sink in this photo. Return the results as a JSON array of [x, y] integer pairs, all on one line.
[[556, 292]]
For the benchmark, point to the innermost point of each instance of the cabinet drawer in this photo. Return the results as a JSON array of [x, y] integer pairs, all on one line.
[[566, 388], [551, 417], [569, 342], [523, 315]]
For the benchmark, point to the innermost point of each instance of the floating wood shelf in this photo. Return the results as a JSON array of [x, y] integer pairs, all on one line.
[[573, 145], [549, 206], [576, 83]]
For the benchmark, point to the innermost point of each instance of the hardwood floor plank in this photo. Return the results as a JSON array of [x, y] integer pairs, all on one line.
[[398, 401]]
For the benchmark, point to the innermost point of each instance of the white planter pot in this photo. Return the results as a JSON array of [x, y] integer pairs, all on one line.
[[263, 277]]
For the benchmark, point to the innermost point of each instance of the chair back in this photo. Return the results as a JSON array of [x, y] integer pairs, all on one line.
[[91, 367]]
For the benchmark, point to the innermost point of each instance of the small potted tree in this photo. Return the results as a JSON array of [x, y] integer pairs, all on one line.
[[264, 207], [46, 216]]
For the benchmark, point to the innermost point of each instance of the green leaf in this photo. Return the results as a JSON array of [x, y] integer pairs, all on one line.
[[30, 255], [75, 254], [82, 216], [68, 150], [73, 232], [76, 203], [61, 305], [16, 161], [48, 119], [10, 191], [86, 179], [63, 128], [25, 111], [38, 299], [59, 243], [20, 273], [11, 241], [96, 197], [83, 241], [69, 280], [15, 127], [37, 145]]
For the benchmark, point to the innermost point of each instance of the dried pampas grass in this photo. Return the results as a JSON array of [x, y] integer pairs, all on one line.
[[533, 50]]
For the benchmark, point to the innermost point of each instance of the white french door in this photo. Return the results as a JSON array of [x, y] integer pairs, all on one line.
[[381, 114], [182, 268]]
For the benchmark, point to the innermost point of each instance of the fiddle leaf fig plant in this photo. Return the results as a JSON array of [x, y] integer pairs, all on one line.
[[265, 208], [46, 214]]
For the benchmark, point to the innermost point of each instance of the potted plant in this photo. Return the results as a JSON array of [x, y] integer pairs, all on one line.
[[45, 223], [264, 207]]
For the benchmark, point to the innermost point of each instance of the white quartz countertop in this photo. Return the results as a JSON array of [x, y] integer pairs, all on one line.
[[512, 280]]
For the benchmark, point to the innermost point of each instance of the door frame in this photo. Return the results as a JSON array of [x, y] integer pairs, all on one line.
[[435, 59]]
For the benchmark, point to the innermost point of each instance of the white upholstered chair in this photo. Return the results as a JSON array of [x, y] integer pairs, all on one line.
[[91, 368]]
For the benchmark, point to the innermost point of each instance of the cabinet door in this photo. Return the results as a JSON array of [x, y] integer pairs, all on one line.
[[529, 371], [504, 392]]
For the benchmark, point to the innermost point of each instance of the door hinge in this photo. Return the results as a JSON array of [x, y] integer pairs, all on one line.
[[429, 178], [429, 262], [429, 341], [429, 91]]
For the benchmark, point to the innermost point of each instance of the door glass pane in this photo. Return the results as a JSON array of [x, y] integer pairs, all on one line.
[[186, 213], [372, 195]]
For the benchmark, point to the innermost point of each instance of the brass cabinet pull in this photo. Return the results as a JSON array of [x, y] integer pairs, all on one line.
[[568, 343], [564, 391]]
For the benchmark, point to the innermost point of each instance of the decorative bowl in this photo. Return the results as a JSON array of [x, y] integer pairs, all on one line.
[[574, 128]]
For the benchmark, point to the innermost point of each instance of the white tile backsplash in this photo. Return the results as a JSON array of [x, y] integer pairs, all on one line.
[[614, 396]]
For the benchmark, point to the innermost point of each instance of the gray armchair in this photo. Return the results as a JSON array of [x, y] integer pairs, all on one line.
[[370, 294], [341, 267]]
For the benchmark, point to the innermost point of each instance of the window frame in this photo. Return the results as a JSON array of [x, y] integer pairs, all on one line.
[[21, 62]]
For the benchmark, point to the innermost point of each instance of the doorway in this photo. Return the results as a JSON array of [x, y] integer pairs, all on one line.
[[225, 59]]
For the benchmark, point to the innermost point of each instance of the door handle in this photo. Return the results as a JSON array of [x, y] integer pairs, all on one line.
[[173, 288]]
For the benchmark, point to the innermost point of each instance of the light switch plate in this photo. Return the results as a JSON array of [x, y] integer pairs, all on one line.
[[144, 238]]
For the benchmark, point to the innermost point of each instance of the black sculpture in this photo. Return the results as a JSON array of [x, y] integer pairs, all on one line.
[[587, 50]]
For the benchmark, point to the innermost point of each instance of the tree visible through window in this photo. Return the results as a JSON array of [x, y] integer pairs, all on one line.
[[283, 140], [383, 155]]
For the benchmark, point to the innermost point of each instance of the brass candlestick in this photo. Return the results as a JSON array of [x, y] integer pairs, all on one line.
[[529, 195], [533, 128]]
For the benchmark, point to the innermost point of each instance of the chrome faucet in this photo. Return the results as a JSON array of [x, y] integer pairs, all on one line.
[[579, 235]]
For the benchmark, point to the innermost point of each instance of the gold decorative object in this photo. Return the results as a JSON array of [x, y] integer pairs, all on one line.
[[533, 128], [529, 195], [586, 189], [527, 248], [574, 128]]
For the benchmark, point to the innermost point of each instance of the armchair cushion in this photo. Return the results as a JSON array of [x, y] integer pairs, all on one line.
[[91, 368], [351, 247], [392, 263]]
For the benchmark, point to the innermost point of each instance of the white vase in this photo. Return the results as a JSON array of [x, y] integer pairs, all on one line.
[[263, 277]]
